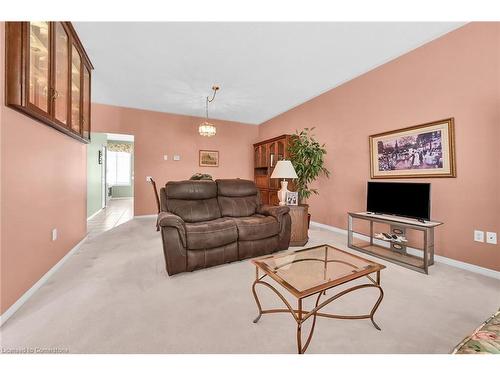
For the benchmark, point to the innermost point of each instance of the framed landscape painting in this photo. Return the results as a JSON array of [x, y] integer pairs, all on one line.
[[426, 150], [209, 158]]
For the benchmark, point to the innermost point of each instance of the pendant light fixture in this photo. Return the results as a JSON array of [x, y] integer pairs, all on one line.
[[206, 128]]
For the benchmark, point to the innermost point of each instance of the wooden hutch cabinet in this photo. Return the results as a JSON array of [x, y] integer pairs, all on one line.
[[266, 155], [48, 75]]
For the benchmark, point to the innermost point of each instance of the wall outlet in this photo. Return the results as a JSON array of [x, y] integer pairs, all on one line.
[[165, 157], [491, 237], [478, 236], [148, 178], [177, 157], [54, 234]]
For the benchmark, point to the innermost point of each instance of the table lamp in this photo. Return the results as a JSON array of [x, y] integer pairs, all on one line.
[[284, 169]]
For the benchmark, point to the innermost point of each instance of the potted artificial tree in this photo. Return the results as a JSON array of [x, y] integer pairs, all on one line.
[[307, 157]]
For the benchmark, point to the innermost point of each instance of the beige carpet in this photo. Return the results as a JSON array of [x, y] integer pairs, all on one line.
[[113, 296]]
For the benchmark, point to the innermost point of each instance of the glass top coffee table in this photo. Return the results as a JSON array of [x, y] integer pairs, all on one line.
[[311, 272]]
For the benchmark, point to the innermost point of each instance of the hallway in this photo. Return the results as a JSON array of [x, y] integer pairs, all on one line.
[[117, 212]]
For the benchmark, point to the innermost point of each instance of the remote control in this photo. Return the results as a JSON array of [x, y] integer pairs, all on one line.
[[394, 236], [387, 235]]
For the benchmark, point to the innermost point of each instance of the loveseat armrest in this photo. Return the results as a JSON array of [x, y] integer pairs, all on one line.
[[167, 219], [282, 215], [173, 234], [275, 211]]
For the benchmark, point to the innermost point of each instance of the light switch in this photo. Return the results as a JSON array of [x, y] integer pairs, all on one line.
[[165, 157], [54, 234], [478, 236], [177, 157], [491, 237]]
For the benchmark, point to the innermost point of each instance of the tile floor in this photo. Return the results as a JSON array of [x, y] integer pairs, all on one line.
[[117, 212]]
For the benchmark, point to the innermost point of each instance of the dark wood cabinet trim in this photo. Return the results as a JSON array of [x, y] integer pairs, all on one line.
[[89, 70], [76, 39], [278, 138], [14, 63], [26, 58], [53, 73]]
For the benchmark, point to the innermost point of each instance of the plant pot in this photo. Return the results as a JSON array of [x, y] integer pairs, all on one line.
[[308, 220]]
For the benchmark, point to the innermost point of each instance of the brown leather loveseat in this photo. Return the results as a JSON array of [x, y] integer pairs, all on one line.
[[206, 223]]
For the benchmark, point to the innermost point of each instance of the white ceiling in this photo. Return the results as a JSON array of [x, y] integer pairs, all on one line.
[[263, 69]]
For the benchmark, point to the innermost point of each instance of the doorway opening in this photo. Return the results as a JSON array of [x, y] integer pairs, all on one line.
[[110, 181]]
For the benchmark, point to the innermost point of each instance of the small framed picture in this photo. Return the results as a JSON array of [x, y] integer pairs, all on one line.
[[209, 158], [292, 198]]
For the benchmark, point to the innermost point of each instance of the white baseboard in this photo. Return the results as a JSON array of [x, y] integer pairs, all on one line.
[[94, 214], [11, 310], [437, 258], [144, 216], [329, 227]]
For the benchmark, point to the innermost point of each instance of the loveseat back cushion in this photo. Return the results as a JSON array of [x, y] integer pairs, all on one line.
[[193, 201], [237, 197]]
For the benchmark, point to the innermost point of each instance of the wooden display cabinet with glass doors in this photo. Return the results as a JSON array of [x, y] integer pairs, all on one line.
[[266, 154], [48, 75]]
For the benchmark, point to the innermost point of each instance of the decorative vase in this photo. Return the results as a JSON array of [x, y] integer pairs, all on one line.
[[282, 193]]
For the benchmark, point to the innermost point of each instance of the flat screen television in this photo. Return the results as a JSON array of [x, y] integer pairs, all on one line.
[[400, 198]]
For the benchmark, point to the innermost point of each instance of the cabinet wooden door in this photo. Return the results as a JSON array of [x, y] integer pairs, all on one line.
[[76, 89], [273, 153], [281, 153], [261, 181], [264, 196], [263, 155], [61, 77], [271, 156], [38, 66], [86, 103]]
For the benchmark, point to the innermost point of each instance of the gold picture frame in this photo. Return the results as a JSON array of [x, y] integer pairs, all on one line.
[[420, 151], [209, 158]]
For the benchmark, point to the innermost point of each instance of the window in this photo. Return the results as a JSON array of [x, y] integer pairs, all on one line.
[[118, 168]]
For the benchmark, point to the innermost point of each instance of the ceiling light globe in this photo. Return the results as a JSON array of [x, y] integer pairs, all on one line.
[[207, 129]]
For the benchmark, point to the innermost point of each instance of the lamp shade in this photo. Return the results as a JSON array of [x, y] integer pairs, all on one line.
[[284, 169]]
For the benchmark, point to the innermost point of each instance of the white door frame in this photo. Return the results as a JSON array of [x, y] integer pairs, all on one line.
[[104, 185]]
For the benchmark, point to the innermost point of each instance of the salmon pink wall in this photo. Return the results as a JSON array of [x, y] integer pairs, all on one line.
[[157, 134], [457, 75], [43, 186]]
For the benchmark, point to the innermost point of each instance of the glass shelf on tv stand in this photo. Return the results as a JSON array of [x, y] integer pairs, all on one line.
[[406, 254]]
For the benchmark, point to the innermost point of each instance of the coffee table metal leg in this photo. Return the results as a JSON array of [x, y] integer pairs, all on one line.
[[289, 308], [255, 295], [299, 327], [300, 311]]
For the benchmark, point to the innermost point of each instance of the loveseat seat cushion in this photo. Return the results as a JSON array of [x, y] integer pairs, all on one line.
[[256, 227], [210, 234]]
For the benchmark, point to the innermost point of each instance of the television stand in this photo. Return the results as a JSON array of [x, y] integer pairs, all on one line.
[[416, 253]]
